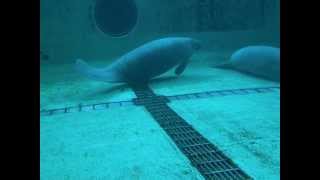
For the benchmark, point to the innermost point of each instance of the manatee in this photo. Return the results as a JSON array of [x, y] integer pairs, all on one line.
[[145, 62], [260, 61]]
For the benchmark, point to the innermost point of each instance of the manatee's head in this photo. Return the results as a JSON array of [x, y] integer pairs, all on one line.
[[188, 43], [195, 44]]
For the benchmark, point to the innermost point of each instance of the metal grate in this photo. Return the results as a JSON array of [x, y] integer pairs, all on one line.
[[154, 98], [216, 93], [88, 107], [203, 155]]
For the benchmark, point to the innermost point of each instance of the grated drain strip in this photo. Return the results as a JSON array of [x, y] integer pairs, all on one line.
[[85, 108], [156, 99], [203, 155]]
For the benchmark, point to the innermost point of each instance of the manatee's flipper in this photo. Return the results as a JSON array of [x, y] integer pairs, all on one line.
[[181, 67], [96, 74], [224, 65]]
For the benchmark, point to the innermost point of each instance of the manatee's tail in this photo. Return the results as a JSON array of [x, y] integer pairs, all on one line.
[[96, 74]]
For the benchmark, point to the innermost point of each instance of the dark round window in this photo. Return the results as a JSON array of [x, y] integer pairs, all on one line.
[[115, 17]]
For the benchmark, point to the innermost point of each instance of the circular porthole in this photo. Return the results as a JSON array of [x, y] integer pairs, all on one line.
[[115, 17]]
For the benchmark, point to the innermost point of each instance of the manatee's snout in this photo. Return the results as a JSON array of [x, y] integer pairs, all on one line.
[[196, 44]]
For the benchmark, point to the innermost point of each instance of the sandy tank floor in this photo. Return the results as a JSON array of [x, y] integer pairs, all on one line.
[[126, 143]]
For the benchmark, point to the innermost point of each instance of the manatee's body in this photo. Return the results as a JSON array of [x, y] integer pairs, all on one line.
[[262, 61], [146, 62]]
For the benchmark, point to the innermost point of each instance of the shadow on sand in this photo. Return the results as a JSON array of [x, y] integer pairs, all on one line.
[[118, 88]]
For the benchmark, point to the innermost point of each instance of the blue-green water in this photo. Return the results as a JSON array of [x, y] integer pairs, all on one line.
[[126, 142]]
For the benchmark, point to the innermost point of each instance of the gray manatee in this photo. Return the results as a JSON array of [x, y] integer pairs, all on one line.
[[261, 61], [145, 62]]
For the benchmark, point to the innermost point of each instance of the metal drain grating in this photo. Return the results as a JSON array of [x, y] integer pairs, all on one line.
[[216, 93], [150, 96], [88, 107], [203, 155]]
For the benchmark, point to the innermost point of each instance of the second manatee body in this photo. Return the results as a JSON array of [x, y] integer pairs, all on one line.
[[146, 62], [261, 61]]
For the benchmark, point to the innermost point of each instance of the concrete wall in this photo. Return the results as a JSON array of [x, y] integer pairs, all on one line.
[[67, 30], [273, 19]]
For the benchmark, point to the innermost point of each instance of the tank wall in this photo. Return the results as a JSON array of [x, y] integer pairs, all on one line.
[[67, 30]]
